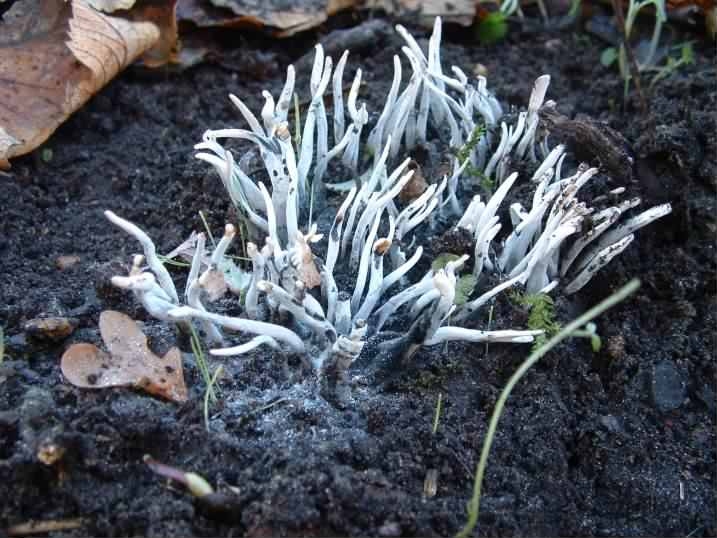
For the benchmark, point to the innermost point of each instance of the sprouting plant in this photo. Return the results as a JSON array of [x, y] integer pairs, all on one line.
[[541, 316], [590, 332], [203, 367], [491, 27], [623, 54], [209, 392], [569, 330], [687, 57]]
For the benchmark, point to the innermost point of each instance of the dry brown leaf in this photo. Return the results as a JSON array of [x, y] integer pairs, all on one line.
[[214, 284], [129, 363], [110, 6], [286, 18], [425, 11], [54, 55]]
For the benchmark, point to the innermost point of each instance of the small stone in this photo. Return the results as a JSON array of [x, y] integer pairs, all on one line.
[[480, 70], [616, 347], [50, 329], [65, 262], [668, 388], [553, 45], [390, 528], [611, 423]]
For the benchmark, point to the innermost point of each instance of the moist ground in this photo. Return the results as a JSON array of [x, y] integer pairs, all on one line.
[[615, 443]]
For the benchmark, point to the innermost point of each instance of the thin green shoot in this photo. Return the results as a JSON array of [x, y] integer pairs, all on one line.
[[206, 228], [490, 323], [574, 9], [2, 345], [242, 238], [590, 332], [171, 261], [566, 332], [207, 392], [241, 258], [687, 57], [437, 414], [202, 364]]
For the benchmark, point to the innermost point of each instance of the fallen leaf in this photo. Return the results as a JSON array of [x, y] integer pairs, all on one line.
[[55, 55], [110, 6], [129, 363], [423, 12], [214, 284], [285, 18]]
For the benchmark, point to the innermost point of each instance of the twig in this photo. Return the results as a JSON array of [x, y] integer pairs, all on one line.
[[42, 527]]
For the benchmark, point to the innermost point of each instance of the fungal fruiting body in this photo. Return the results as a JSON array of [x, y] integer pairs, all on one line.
[[373, 242]]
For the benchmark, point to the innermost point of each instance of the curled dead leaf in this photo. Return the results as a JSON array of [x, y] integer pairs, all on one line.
[[214, 284], [416, 185], [54, 55], [129, 363], [423, 12], [284, 18]]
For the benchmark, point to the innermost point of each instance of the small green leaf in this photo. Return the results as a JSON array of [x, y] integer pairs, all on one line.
[[492, 29], [608, 56], [595, 342], [464, 287], [442, 259], [688, 54]]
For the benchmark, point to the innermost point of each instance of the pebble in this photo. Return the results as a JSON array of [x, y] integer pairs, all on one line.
[[611, 423], [53, 329], [390, 528], [480, 70], [668, 387], [65, 262], [616, 347]]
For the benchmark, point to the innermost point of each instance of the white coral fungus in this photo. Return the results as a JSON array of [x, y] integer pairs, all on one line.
[[372, 248]]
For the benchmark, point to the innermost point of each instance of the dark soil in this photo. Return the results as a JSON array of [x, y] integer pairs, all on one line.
[[615, 443]]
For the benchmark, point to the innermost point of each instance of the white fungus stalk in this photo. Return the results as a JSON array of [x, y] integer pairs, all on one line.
[[150, 254], [282, 334]]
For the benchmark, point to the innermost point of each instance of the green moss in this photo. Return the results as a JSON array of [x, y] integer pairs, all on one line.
[[542, 315]]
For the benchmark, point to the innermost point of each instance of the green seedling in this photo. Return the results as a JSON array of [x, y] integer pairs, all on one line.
[[202, 365], [687, 57], [207, 393], [194, 483], [622, 54], [590, 332], [492, 28], [533, 358]]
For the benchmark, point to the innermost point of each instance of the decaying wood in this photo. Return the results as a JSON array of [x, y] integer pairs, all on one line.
[[594, 140]]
